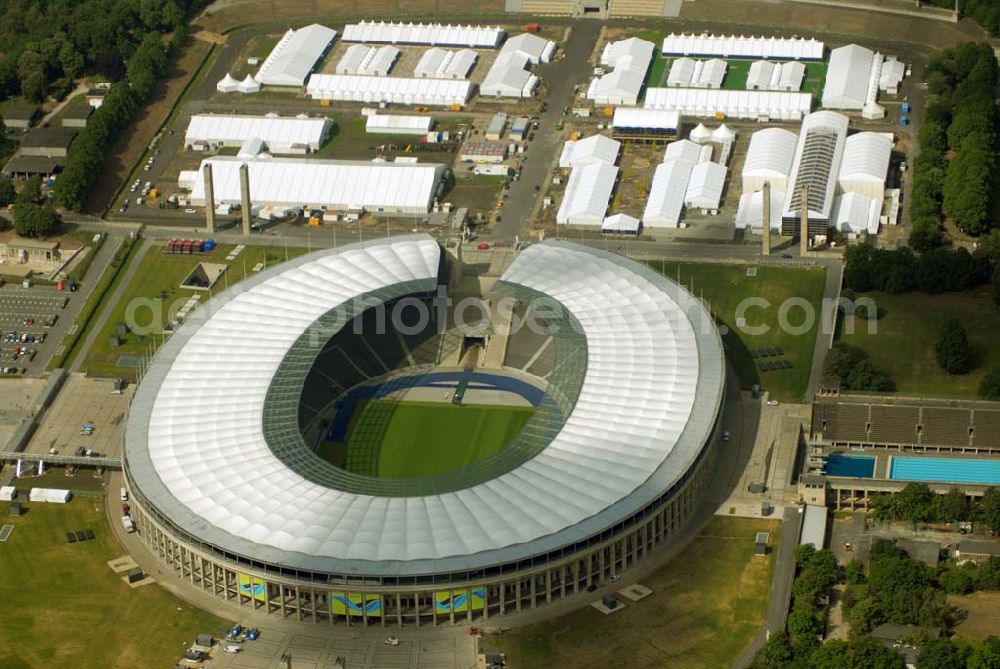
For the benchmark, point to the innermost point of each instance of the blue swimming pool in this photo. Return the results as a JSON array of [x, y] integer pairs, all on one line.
[[945, 470], [855, 466]]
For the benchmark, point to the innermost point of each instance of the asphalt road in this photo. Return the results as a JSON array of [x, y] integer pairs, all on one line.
[[561, 77]]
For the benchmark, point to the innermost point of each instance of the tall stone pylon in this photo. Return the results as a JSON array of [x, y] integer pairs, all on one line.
[[766, 215], [209, 199], [245, 197], [804, 218]]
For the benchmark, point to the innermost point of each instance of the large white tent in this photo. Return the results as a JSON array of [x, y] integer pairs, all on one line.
[[732, 46], [750, 213], [855, 213], [293, 58], [666, 194], [281, 134], [769, 158], [394, 188], [434, 34], [865, 164], [704, 189], [630, 60], [508, 76], [438, 63], [398, 124], [397, 90], [685, 149], [621, 224], [640, 119], [818, 153], [688, 73], [847, 77], [368, 60], [596, 148], [587, 195], [766, 75], [756, 105]]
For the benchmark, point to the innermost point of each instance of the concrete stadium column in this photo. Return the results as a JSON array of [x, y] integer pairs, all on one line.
[[804, 217], [209, 199], [766, 215], [245, 197]]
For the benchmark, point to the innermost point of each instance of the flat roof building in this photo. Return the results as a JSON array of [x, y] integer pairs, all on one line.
[[19, 115], [282, 134], [76, 116], [48, 141], [395, 90], [636, 123]]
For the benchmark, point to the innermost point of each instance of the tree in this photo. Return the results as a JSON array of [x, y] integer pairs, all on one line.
[[7, 192], [803, 628], [854, 572], [70, 60], [953, 506], [986, 655], [915, 503], [989, 387], [34, 220], [989, 510], [995, 285], [776, 652], [957, 580], [31, 190], [864, 616], [31, 74], [952, 347], [942, 653], [859, 653]]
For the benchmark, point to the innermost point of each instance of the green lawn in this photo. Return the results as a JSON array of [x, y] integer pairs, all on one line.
[[903, 346], [395, 440], [64, 607], [706, 606], [737, 71], [726, 286], [157, 282]]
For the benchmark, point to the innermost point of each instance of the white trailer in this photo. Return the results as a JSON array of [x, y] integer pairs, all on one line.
[[128, 524]]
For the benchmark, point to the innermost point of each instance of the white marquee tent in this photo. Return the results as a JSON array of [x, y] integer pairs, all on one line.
[[688, 73], [648, 119], [751, 211], [630, 60], [770, 48], [397, 90], [774, 105], [293, 58], [818, 152], [704, 189], [766, 75], [248, 85], [685, 149], [227, 84], [508, 76], [281, 134], [368, 60], [865, 164], [621, 224], [438, 63], [666, 194], [587, 195], [769, 158], [434, 34], [856, 213], [396, 188], [847, 77], [596, 148], [398, 124]]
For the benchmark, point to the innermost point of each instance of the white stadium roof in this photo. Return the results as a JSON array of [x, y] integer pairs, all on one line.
[[588, 193], [397, 90], [278, 132], [630, 59], [770, 48], [666, 194], [340, 184], [596, 148], [642, 417], [651, 119], [434, 34], [769, 158], [294, 57], [776, 105]]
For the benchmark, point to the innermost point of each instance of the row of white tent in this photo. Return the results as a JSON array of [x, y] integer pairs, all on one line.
[[687, 177], [733, 46], [754, 105], [509, 77], [398, 124], [434, 34], [629, 60], [592, 180], [766, 75], [438, 63], [854, 77], [395, 90], [229, 84], [368, 60]]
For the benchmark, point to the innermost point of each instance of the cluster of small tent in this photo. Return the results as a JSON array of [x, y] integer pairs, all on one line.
[[229, 84]]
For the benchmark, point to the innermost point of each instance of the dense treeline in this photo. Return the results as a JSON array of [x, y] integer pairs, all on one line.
[[86, 156], [984, 12], [61, 39], [917, 504], [937, 270], [952, 173], [854, 370]]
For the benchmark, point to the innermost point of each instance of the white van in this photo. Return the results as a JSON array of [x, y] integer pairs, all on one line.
[[123, 495]]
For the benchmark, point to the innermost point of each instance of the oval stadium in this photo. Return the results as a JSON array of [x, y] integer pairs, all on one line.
[[391, 433]]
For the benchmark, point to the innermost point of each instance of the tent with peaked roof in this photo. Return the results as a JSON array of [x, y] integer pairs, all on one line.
[[227, 84], [249, 85]]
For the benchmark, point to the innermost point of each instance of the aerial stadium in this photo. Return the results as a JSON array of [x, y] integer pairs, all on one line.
[[327, 442]]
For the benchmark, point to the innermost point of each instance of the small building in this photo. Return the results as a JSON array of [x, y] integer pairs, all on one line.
[[483, 152], [76, 116], [48, 141], [977, 551], [24, 167], [519, 129], [135, 575], [204, 640], [901, 638], [19, 115], [32, 250], [761, 540], [494, 131], [813, 526], [95, 97]]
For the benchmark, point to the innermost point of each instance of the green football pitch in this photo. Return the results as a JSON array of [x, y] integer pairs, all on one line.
[[394, 440]]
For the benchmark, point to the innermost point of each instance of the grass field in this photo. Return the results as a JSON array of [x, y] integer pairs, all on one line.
[[903, 347], [158, 278], [395, 440], [726, 286], [64, 607], [982, 615], [737, 71], [707, 605]]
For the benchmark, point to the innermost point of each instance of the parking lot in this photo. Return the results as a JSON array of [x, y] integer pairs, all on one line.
[[26, 317], [80, 401]]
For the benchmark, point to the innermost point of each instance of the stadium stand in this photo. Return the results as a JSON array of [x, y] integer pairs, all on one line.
[[944, 426], [987, 429], [894, 424], [524, 344]]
